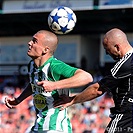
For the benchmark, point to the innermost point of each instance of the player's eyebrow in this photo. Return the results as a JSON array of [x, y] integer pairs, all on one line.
[[34, 39]]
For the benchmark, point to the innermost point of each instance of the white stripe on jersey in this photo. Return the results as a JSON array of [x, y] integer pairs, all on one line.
[[45, 70], [47, 119], [113, 126], [119, 64], [59, 120]]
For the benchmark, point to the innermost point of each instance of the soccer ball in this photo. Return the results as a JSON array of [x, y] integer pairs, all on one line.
[[62, 20]]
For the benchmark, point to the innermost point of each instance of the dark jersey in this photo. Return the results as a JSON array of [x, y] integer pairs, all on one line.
[[120, 83]]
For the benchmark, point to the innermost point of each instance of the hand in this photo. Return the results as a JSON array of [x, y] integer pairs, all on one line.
[[11, 102], [47, 85], [63, 102]]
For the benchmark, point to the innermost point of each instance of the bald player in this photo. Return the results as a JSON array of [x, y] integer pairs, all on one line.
[[57, 78], [119, 82]]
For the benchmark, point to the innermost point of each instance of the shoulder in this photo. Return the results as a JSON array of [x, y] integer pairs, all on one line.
[[56, 62], [61, 67], [123, 67]]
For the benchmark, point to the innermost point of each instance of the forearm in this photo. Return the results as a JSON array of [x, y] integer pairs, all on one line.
[[88, 94], [79, 79], [26, 93]]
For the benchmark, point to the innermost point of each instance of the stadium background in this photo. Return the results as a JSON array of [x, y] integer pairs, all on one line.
[[20, 19]]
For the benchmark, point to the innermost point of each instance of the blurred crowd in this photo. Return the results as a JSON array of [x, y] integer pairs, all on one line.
[[88, 117], [18, 119], [91, 116]]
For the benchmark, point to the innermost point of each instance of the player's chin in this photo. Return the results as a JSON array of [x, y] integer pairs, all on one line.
[[29, 53]]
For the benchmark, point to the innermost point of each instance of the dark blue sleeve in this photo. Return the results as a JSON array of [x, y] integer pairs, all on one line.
[[108, 83]]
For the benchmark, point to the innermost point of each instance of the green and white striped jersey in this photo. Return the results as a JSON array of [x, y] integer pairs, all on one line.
[[49, 118]]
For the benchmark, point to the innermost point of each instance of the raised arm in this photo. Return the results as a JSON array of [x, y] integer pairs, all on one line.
[[80, 78], [11, 102]]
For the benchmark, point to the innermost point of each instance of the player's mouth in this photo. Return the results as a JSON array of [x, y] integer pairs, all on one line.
[[29, 49]]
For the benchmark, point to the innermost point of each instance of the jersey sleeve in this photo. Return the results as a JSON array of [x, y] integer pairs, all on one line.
[[61, 70], [108, 83], [119, 72]]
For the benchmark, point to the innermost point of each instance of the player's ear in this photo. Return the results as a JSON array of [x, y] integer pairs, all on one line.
[[45, 50], [117, 46]]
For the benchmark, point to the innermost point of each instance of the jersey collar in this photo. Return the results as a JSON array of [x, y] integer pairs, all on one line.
[[48, 61]]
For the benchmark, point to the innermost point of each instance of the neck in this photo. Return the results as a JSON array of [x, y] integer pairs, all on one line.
[[40, 62], [127, 49]]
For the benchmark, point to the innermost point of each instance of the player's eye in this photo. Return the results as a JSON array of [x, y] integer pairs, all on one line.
[[34, 40]]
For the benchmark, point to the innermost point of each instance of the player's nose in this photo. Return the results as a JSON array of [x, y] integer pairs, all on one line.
[[30, 43]]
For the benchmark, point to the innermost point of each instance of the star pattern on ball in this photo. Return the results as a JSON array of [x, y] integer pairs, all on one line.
[[62, 20], [61, 7], [55, 18], [64, 29], [70, 16]]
